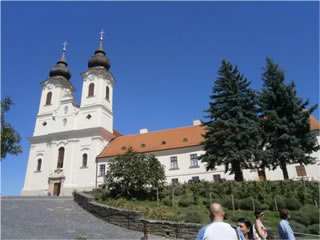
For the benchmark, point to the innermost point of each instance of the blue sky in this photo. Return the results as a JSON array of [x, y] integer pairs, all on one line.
[[164, 57]]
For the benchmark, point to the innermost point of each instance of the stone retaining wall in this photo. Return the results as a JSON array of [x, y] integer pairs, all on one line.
[[134, 220]]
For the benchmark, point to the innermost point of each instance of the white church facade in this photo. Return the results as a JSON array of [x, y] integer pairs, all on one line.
[[72, 144]]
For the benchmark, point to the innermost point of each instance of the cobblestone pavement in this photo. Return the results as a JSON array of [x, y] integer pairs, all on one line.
[[55, 218]]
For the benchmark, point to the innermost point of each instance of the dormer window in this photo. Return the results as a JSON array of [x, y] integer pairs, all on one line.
[[163, 142], [107, 93], [91, 90], [49, 96], [185, 140], [143, 145]]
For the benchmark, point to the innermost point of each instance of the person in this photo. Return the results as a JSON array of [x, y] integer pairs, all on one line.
[[46, 192], [218, 229], [245, 227], [284, 229], [259, 230]]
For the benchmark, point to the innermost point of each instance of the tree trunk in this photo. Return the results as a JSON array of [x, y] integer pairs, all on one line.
[[283, 166], [238, 176]]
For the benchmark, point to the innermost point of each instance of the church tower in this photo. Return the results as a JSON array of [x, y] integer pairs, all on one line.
[[67, 137], [97, 91], [57, 90]]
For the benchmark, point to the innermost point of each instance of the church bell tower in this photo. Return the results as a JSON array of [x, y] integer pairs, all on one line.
[[97, 91]]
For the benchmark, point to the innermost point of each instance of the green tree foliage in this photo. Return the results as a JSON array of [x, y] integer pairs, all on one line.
[[286, 131], [10, 139], [134, 174], [232, 135]]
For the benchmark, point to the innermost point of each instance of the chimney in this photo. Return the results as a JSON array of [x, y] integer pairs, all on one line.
[[143, 130], [196, 122]]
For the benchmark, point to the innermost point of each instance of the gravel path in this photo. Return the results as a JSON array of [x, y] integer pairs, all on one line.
[[55, 218]]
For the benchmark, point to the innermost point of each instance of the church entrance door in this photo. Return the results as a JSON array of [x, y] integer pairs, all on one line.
[[56, 189]]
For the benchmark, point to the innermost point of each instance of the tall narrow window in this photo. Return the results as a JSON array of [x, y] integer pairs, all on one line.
[[91, 90], [84, 160], [60, 157], [102, 170], [107, 93], [194, 160], [49, 96], [174, 162], [39, 165]]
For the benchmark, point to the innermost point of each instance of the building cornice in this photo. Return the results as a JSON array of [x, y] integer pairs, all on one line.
[[73, 134]]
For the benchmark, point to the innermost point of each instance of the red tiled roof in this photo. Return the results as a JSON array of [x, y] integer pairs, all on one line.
[[164, 140], [315, 124], [155, 141]]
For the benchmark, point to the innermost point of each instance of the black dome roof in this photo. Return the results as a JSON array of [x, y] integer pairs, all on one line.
[[60, 70], [99, 59]]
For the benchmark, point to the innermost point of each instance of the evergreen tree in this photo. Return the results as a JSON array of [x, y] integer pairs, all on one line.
[[232, 135], [285, 122], [10, 139]]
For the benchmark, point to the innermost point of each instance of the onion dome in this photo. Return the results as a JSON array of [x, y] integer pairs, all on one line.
[[60, 69], [99, 59]]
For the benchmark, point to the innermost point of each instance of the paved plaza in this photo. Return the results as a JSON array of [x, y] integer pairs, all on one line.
[[55, 218]]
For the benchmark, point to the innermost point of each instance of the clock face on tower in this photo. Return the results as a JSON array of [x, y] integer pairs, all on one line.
[[91, 77]]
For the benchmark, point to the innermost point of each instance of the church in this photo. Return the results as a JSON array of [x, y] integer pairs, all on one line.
[[72, 144]]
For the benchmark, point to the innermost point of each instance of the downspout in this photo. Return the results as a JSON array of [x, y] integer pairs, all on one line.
[[96, 172]]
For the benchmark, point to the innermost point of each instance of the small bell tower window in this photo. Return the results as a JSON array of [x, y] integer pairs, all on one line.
[[39, 165], [48, 100], [91, 90], [107, 93]]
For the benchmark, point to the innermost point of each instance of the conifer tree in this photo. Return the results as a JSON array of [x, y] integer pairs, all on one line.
[[285, 122], [232, 135]]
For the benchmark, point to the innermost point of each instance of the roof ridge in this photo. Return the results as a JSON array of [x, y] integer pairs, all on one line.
[[156, 131]]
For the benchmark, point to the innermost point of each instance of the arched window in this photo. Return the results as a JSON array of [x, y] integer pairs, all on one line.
[[60, 157], [107, 93], [91, 90], [48, 100], [39, 165], [84, 160]]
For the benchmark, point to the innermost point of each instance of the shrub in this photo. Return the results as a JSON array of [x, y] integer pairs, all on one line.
[[195, 192], [228, 203], [193, 217], [264, 206], [178, 190], [312, 212], [184, 202], [300, 218], [164, 193], [167, 202], [246, 204], [105, 194], [292, 204], [298, 227], [280, 203], [159, 213], [314, 229]]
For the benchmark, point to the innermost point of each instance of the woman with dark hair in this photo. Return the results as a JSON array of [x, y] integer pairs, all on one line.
[[245, 227], [259, 230]]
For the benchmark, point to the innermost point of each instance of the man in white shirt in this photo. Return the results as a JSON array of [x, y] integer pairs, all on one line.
[[218, 229]]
